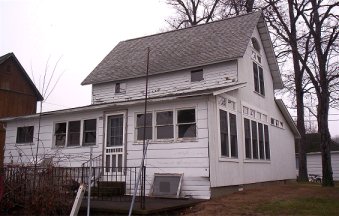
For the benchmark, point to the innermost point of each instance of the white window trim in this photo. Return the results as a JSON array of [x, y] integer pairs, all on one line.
[[81, 134], [177, 126], [135, 126]]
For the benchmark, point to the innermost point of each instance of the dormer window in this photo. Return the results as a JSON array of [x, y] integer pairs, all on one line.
[[197, 75], [120, 88]]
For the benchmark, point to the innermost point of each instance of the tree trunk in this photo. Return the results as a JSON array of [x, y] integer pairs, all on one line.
[[299, 93], [325, 139]]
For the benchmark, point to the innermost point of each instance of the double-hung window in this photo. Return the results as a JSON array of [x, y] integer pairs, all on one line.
[[256, 140], [164, 125], [258, 74], [75, 133], [228, 134], [25, 134]]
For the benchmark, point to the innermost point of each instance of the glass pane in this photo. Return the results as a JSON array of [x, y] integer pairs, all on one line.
[[89, 138], [60, 128], [186, 116], [233, 133], [164, 118], [119, 163], [74, 126], [114, 162], [165, 132], [261, 80], [90, 125], [247, 138], [73, 139], [188, 130], [115, 130], [254, 140], [140, 133], [256, 78], [140, 120], [223, 122], [224, 133], [261, 141], [267, 142], [60, 139], [197, 75]]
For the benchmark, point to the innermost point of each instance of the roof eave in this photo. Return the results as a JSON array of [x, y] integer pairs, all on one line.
[[288, 118]]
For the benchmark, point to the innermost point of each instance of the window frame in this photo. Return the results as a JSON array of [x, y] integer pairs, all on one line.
[[84, 131], [136, 127], [27, 139], [177, 125], [81, 133]]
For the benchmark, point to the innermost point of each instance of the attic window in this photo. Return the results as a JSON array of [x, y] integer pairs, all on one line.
[[120, 88], [255, 44], [197, 75]]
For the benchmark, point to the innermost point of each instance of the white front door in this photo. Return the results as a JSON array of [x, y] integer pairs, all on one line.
[[114, 144]]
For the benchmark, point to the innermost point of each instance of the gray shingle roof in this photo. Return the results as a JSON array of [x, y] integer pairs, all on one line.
[[176, 50]]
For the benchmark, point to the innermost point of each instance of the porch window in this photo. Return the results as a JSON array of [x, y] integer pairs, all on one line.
[[60, 134], [197, 75], [164, 125], [89, 133], [140, 126], [247, 129], [25, 134], [73, 138], [228, 134], [259, 85], [186, 123]]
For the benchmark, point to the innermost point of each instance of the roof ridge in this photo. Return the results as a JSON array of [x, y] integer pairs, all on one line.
[[190, 27]]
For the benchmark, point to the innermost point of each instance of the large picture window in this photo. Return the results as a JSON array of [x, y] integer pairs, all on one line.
[[228, 134], [256, 140], [258, 74], [25, 134]]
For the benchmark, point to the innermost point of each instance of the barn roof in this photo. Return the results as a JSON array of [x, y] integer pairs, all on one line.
[[188, 48], [24, 73]]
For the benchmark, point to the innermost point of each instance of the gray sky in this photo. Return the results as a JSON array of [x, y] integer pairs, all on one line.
[[80, 33]]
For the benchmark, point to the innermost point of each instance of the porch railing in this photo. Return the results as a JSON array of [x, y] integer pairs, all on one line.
[[107, 182]]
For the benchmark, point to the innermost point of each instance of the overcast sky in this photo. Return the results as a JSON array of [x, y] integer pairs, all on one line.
[[80, 33]]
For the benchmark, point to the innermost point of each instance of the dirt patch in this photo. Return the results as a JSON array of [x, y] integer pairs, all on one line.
[[248, 202]]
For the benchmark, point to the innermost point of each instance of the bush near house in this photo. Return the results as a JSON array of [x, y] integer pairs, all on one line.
[[37, 191]]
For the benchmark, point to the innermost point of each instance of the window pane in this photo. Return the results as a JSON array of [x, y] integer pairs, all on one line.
[[164, 118], [60, 128], [165, 132], [256, 78], [224, 134], [140, 133], [261, 80], [74, 126], [187, 130], [140, 120], [90, 125], [267, 143], [186, 116], [254, 140], [60, 139], [261, 141], [233, 131], [117, 88], [89, 138], [197, 75], [247, 138]]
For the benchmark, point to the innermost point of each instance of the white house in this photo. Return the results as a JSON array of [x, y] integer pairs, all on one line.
[[211, 114]]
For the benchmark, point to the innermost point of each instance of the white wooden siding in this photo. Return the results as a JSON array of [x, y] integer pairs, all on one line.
[[167, 84], [68, 156], [314, 164], [226, 172], [187, 157]]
